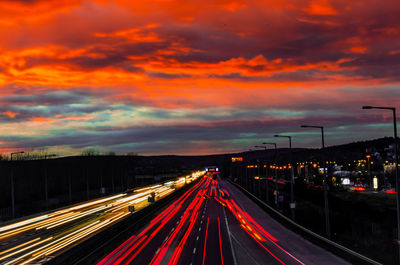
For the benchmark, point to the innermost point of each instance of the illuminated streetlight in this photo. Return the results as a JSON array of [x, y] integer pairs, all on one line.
[[327, 222], [292, 204], [276, 172], [396, 165], [266, 175]]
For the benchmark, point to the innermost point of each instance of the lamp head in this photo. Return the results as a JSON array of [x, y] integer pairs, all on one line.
[[367, 107]]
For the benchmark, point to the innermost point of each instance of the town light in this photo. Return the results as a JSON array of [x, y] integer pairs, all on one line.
[[375, 183]]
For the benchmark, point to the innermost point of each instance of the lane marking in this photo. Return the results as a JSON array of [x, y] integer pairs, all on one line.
[[230, 238], [197, 238], [194, 251], [248, 254]]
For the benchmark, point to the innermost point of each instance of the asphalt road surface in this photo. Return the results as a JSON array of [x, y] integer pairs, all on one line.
[[214, 223]]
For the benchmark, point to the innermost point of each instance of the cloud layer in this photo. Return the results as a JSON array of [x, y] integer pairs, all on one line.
[[178, 77]]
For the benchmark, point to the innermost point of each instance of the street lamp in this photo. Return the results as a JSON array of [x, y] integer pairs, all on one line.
[[12, 184], [15, 153], [266, 176], [327, 223], [397, 165], [260, 146], [292, 205], [46, 189], [276, 173], [266, 187]]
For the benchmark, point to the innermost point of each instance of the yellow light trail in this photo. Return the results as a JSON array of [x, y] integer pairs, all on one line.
[[26, 248], [100, 213], [49, 244], [22, 223], [16, 247], [96, 202]]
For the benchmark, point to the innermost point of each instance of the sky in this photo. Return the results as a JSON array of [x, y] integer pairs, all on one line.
[[194, 77]]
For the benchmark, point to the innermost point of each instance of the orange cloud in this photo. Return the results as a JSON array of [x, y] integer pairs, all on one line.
[[10, 114], [234, 6], [40, 119], [359, 49], [179, 55], [320, 7]]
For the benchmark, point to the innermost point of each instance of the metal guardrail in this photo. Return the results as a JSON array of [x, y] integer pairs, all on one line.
[[330, 242]]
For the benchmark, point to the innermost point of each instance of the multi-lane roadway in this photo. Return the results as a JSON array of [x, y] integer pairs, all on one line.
[[211, 223], [206, 225]]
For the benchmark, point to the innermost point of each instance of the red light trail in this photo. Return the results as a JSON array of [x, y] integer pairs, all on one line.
[[205, 241], [186, 212]]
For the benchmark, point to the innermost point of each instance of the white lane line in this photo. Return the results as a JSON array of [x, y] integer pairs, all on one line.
[[248, 254], [197, 238], [194, 250], [230, 238], [199, 229]]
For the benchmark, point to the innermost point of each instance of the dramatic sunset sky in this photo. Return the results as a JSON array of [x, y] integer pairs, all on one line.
[[194, 77]]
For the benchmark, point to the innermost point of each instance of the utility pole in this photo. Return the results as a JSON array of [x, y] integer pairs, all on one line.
[[12, 184]]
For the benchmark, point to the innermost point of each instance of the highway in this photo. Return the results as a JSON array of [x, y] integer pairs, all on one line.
[[206, 225], [38, 239]]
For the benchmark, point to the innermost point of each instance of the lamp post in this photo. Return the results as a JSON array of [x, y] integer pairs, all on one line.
[[276, 173], [259, 180], [292, 204], [12, 184], [249, 181], [46, 186], [261, 146], [266, 175], [397, 165], [327, 221]]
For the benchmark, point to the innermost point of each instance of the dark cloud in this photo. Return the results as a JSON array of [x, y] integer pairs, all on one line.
[[50, 104], [52, 98], [268, 67], [222, 134]]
